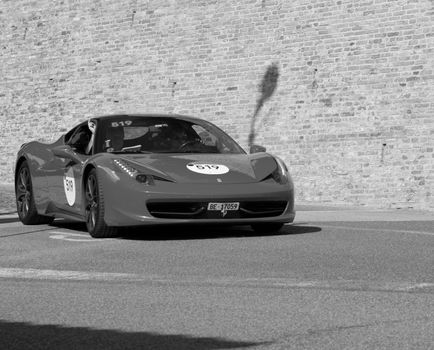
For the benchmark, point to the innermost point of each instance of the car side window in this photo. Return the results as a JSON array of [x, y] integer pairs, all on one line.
[[68, 135], [79, 139]]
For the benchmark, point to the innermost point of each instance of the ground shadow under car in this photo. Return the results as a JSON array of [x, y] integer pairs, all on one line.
[[194, 232], [26, 336], [190, 232]]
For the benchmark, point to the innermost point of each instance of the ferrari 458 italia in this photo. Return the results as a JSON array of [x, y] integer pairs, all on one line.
[[136, 170]]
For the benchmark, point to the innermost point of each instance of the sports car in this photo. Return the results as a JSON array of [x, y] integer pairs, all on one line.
[[136, 170]]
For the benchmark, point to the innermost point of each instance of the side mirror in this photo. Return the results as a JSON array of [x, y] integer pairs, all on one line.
[[257, 149], [63, 152]]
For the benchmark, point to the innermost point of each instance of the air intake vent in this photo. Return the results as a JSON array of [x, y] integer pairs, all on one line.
[[198, 210]]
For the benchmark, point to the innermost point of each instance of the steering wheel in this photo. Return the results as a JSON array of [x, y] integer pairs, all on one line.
[[190, 142]]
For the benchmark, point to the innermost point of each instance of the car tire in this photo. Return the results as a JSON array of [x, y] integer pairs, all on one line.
[[94, 208], [267, 227], [25, 200]]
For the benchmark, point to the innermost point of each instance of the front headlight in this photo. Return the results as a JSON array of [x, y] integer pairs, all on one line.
[[145, 179], [281, 174], [129, 169], [134, 173], [126, 167]]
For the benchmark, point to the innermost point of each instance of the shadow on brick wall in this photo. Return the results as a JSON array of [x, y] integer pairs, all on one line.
[[267, 88]]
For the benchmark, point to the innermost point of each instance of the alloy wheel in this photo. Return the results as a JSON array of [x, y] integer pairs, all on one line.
[[23, 192], [91, 202]]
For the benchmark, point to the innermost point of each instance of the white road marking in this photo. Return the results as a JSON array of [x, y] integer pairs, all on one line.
[[350, 285], [378, 229], [39, 274], [76, 237], [419, 286]]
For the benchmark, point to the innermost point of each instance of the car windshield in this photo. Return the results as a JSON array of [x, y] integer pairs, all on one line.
[[131, 134]]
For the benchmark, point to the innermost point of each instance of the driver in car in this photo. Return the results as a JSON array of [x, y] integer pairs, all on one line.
[[172, 138], [178, 137]]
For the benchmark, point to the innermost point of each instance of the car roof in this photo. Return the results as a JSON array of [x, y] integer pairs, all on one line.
[[148, 115]]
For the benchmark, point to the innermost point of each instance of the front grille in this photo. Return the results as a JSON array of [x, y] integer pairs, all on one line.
[[198, 210]]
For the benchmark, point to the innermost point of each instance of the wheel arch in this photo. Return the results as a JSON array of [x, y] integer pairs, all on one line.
[[100, 229], [86, 171], [32, 217]]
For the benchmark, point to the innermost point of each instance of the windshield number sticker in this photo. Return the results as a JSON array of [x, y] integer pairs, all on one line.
[[208, 169], [121, 123]]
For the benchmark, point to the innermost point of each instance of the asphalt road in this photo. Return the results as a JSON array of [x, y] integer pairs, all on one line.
[[336, 279]]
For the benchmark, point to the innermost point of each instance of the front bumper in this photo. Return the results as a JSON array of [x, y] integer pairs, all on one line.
[[125, 201]]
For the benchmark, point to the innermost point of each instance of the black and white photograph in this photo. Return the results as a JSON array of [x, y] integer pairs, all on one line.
[[216, 174]]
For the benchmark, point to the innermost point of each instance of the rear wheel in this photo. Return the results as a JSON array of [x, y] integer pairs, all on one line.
[[94, 209], [25, 200], [267, 227]]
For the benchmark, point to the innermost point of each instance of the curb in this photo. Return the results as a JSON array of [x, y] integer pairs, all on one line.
[[8, 213]]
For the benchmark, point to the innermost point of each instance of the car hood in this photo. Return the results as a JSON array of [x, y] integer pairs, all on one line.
[[204, 168]]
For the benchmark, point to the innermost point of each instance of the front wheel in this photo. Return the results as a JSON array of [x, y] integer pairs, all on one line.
[[267, 227], [25, 199], [94, 209]]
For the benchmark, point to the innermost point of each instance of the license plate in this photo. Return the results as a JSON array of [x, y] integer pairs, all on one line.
[[223, 207]]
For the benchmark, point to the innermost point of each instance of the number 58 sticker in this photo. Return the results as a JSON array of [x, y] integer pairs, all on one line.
[[208, 169]]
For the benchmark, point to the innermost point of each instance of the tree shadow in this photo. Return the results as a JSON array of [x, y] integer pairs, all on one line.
[[26, 336], [267, 88]]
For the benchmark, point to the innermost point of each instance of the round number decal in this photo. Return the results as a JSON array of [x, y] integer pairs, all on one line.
[[208, 169], [69, 186]]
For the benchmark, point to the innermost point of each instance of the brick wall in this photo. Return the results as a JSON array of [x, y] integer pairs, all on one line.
[[353, 114]]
